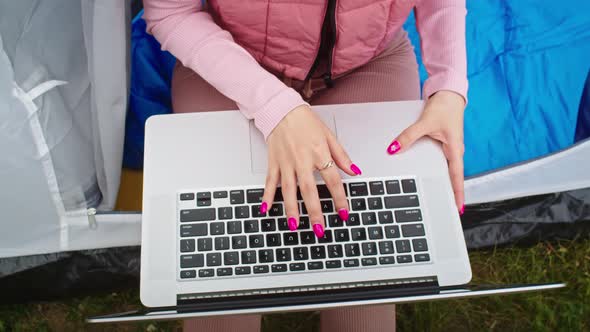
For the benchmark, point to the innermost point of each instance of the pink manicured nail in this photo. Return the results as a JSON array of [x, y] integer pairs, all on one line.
[[318, 229], [394, 147], [292, 224], [263, 208], [355, 169], [462, 210], [343, 213]]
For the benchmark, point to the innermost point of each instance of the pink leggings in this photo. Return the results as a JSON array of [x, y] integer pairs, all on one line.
[[391, 76]]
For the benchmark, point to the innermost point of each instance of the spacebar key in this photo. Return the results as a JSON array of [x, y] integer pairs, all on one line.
[[197, 215]]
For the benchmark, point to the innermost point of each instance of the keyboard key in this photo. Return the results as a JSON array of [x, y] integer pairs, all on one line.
[[422, 257], [224, 271], [413, 230], [323, 191], [251, 226], [193, 230], [248, 257], [302, 208], [273, 240], [402, 246], [259, 269], [197, 215], [268, 225], [283, 255], [327, 238], [318, 252], [408, 215], [297, 267], [409, 186], [220, 194], [369, 218], [354, 219], [300, 254], [187, 245], [369, 248], [351, 263], [206, 273], [376, 188], [278, 195], [290, 239], [191, 261], [385, 247], [419, 245], [358, 189], [341, 235], [375, 233], [307, 238], [335, 251], [222, 243], [256, 240], [333, 264], [315, 265], [335, 221], [265, 256], [217, 228], [392, 232], [232, 258], [352, 249], [256, 212], [327, 206], [387, 260], [242, 212], [279, 268], [238, 242], [204, 199], [241, 270], [187, 197], [283, 224], [358, 234], [358, 204], [234, 227], [369, 261], [254, 195], [397, 202], [404, 259], [385, 217], [205, 244], [213, 259], [304, 223], [276, 210], [236, 197], [188, 274], [393, 187], [224, 213], [375, 203]]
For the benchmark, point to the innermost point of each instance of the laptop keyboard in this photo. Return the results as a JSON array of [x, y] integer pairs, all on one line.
[[222, 234]]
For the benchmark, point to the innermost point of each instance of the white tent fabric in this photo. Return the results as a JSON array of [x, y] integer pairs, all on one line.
[[63, 88]]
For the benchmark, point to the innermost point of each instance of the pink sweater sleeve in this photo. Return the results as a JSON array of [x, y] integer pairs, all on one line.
[[441, 24], [191, 35]]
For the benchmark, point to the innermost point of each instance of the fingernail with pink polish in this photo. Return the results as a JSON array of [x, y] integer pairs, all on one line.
[[263, 208], [318, 229], [292, 222], [343, 213], [462, 210], [355, 169], [394, 147]]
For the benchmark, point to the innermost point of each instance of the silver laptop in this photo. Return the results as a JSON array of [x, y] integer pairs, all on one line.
[[206, 250]]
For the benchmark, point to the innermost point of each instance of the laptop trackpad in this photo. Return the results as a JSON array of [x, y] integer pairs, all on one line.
[[258, 145]]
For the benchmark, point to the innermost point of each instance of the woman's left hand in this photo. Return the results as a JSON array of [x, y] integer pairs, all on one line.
[[442, 119]]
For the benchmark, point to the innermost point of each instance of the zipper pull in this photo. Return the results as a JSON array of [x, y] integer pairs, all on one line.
[[328, 80], [91, 212]]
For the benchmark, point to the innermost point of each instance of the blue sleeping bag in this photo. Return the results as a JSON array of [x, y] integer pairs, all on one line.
[[527, 65]]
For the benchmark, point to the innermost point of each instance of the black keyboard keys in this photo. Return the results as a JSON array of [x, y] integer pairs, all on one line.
[[392, 232], [242, 212], [187, 197], [300, 254], [290, 239], [327, 206], [393, 187], [409, 186], [256, 240], [269, 225], [251, 226], [315, 265], [196, 260], [276, 210], [222, 243], [386, 247], [369, 248], [318, 252], [205, 214], [375, 203], [323, 191], [260, 269], [335, 221], [387, 260], [376, 188], [236, 197], [327, 238], [204, 199], [234, 227], [422, 257], [335, 251], [352, 249], [341, 235], [224, 213], [408, 215], [205, 244], [206, 273], [283, 255], [404, 259], [402, 246], [249, 257], [283, 224], [385, 217], [273, 240], [254, 195], [238, 242], [369, 218], [413, 230], [308, 237], [358, 189], [351, 263], [304, 223], [278, 268], [224, 271], [213, 259], [241, 270], [333, 264], [369, 261], [193, 230], [358, 204], [217, 228], [265, 256], [220, 194], [397, 202], [231, 258], [187, 245], [354, 219], [297, 267], [419, 245], [375, 233], [358, 234]]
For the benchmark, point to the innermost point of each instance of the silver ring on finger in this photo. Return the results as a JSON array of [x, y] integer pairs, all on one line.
[[326, 165]]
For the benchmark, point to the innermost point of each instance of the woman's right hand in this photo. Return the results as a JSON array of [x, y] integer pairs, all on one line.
[[298, 146]]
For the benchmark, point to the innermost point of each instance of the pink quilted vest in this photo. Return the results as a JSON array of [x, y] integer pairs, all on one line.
[[285, 36]]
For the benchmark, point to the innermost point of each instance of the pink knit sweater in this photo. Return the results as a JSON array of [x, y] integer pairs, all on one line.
[[191, 35]]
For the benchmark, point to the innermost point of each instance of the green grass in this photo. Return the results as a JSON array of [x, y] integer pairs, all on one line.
[[558, 310]]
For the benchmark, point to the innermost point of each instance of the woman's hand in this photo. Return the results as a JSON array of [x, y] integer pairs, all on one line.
[[442, 120], [298, 146]]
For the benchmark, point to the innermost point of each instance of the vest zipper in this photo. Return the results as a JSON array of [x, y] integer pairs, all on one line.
[[329, 20]]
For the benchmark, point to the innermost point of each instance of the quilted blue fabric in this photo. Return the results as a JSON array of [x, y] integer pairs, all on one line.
[[527, 64]]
